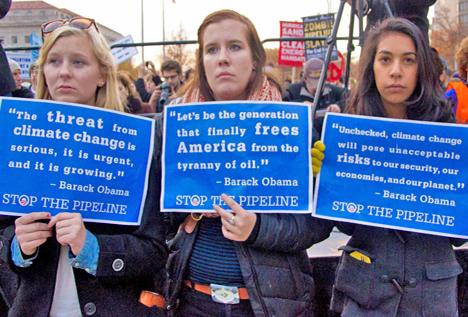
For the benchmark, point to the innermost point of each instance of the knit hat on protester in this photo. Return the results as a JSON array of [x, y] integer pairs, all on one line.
[[14, 66], [311, 66]]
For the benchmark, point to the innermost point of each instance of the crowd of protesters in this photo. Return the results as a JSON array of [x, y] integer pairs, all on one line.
[[167, 266]]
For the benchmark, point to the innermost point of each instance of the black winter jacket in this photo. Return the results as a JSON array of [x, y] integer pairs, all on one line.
[[275, 266], [7, 83]]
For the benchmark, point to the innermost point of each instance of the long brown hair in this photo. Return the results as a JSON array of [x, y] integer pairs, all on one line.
[[426, 103], [199, 80]]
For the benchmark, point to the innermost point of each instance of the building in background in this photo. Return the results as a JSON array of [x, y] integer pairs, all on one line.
[[449, 27], [26, 17], [463, 12], [457, 11]]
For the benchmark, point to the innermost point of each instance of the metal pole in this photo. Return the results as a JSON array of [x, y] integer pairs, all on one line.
[[350, 48], [142, 34], [331, 43], [163, 29]]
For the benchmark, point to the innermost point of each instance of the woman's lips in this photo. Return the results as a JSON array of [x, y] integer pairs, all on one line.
[[65, 88], [395, 88], [224, 75]]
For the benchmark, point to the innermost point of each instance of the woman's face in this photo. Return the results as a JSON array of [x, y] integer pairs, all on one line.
[[227, 59], [72, 71], [396, 72]]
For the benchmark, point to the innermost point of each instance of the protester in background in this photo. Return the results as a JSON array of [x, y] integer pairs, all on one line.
[[171, 72], [130, 96], [7, 83], [33, 78], [260, 257], [441, 67], [68, 267], [331, 98], [457, 91], [393, 272], [147, 81], [20, 91]]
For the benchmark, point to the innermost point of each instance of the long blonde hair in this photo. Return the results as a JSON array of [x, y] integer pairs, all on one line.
[[107, 96]]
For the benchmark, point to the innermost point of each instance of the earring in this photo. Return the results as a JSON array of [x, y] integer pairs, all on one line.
[[100, 84]]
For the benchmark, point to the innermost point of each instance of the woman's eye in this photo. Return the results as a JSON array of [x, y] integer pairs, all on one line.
[[52, 61], [410, 60], [78, 62], [385, 59], [235, 47], [211, 50]]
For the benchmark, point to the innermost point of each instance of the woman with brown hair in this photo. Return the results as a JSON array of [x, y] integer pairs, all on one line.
[[252, 257]]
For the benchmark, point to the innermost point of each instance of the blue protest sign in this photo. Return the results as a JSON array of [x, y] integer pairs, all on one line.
[[62, 157], [35, 40], [255, 152], [402, 174]]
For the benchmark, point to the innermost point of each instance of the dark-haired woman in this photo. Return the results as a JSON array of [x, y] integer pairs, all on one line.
[[407, 274]]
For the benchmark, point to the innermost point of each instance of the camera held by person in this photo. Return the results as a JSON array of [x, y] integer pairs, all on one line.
[[171, 72], [165, 92]]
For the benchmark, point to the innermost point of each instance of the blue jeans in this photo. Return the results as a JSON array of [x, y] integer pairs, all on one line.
[[196, 304]]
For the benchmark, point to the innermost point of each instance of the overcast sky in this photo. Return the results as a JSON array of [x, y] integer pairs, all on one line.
[[124, 16]]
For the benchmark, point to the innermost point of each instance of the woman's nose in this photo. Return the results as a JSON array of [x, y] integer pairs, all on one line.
[[64, 70], [396, 69], [223, 56]]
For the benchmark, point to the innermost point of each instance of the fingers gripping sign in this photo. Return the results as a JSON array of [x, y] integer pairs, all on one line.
[[70, 230], [238, 224], [31, 232]]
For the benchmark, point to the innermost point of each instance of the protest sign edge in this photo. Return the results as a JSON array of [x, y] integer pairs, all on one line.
[[347, 220], [150, 153], [378, 225], [310, 198]]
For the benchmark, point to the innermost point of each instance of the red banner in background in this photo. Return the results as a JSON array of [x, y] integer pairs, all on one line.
[[336, 68], [291, 53]]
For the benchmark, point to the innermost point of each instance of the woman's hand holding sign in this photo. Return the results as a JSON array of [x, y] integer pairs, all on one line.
[[31, 232], [238, 224], [70, 230]]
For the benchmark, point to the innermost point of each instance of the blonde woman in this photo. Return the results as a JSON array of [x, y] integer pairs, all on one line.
[[67, 267]]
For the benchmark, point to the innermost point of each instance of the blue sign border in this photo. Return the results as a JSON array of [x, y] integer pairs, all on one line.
[[205, 106], [331, 189], [148, 159]]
